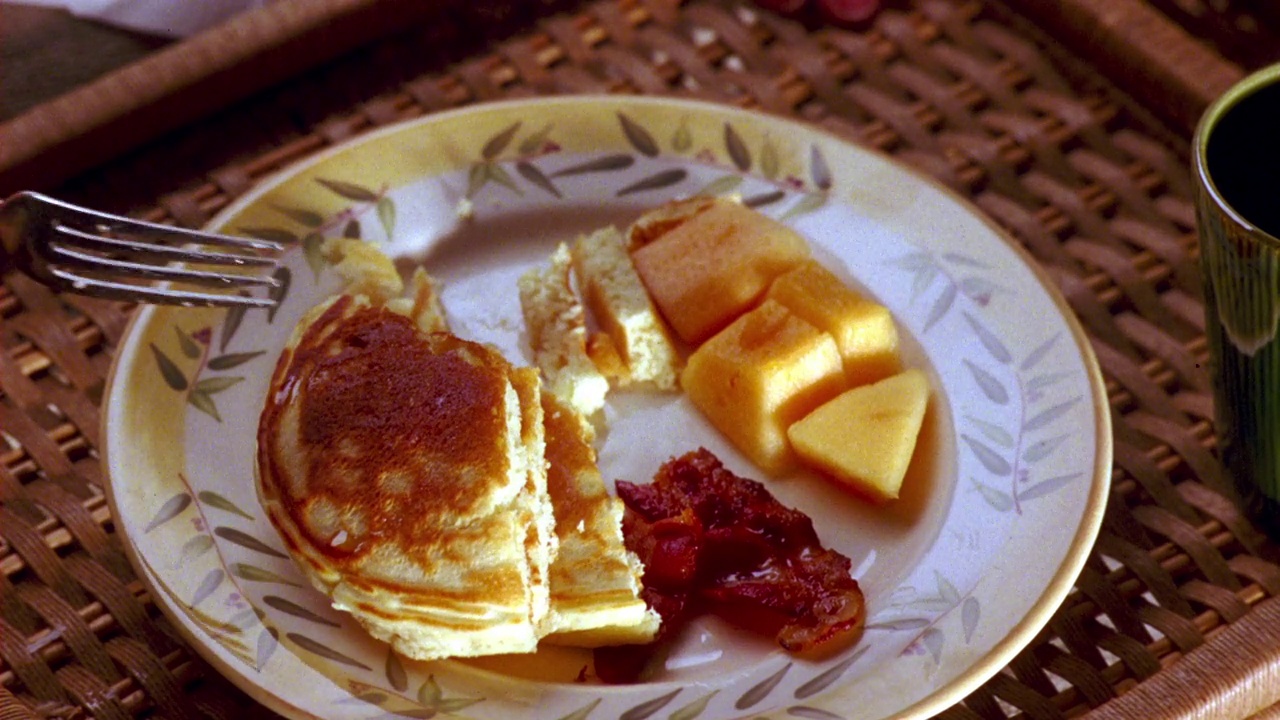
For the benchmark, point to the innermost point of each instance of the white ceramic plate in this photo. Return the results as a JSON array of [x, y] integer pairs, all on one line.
[[1003, 502]]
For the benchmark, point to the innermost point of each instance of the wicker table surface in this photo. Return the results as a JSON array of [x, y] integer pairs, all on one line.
[[1067, 123]]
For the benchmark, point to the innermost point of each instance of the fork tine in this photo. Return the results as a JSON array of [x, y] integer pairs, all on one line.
[[112, 290], [126, 268], [131, 225], [98, 242]]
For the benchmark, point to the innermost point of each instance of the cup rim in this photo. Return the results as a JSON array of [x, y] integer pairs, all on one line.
[[1209, 120]]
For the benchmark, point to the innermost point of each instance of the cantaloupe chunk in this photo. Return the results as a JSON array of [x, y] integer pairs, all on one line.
[[865, 437], [863, 329], [709, 268], [760, 374]]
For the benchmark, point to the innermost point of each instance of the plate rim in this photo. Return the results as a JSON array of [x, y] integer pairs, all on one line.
[[977, 672]]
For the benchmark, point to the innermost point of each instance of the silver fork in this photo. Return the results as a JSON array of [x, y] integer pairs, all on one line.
[[77, 250]]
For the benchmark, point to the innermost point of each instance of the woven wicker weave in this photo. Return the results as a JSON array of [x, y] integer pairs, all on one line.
[[1084, 160]]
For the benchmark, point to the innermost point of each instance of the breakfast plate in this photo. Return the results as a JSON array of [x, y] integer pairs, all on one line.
[[1004, 497]]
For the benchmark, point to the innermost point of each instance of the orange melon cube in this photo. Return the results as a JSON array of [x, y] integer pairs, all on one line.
[[759, 375], [863, 330], [706, 270], [865, 437]]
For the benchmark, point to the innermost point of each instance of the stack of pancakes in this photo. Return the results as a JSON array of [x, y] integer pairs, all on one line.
[[408, 472]]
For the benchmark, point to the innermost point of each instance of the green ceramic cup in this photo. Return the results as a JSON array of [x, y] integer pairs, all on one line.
[[1237, 170]]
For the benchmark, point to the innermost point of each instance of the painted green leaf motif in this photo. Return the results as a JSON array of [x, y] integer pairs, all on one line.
[[1046, 381], [988, 384], [214, 500], [246, 618], [203, 402], [693, 709], [605, 163], [171, 509], [1047, 416], [451, 705], [977, 288], [230, 324], [283, 276], [960, 259], [722, 185], [534, 142], [387, 216], [195, 547], [324, 651], [173, 377], [812, 713], [280, 235], [762, 689], [429, 694], [997, 499], [649, 707], [582, 712], [1040, 353], [530, 172], [499, 174], [819, 170], [932, 604], [806, 205], [268, 641], [395, 672], [348, 190], [992, 432], [308, 218], [253, 573], [922, 279], [312, 246], [639, 138], [828, 676], [970, 614], [737, 149], [214, 625], [993, 461], [770, 160], [1046, 487], [496, 144], [211, 581], [186, 344], [215, 385], [291, 608], [763, 199], [900, 624], [352, 229], [682, 140], [989, 341], [477, 178], [946, 590], [657, 181], [245, 540], [933, 641], [1042, 449], [941, 306], [231, 360]]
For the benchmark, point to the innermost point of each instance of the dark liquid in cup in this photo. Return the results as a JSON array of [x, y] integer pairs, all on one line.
[[1243, 158]]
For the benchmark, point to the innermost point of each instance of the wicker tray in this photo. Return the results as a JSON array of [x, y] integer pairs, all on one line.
[[1084, 160]]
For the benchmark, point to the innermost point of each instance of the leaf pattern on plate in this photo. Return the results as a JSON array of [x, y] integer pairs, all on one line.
[[395, 671], [171, 509], [761, 690], [289, 607], [318, 648], [812, 713], [245, 540], [649, 707], [531, 173], [827, 677], [693, 709], [737, 149], [583, 712], [604, 163], [639, 138], [253, 573], [656, 181]]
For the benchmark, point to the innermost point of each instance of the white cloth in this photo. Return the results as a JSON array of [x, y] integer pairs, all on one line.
[[169, 18]]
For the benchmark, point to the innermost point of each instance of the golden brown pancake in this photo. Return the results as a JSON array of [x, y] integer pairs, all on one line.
[[403, 470], [595, 580]]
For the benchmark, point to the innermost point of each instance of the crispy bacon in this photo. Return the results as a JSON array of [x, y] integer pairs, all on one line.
[[712, 541]]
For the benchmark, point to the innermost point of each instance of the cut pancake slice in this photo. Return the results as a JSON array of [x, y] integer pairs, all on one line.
[[403, 470], [620, 304], [556, 322], [595, 580]]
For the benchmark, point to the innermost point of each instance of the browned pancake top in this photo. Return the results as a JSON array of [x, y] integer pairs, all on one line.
[[405, 430]]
